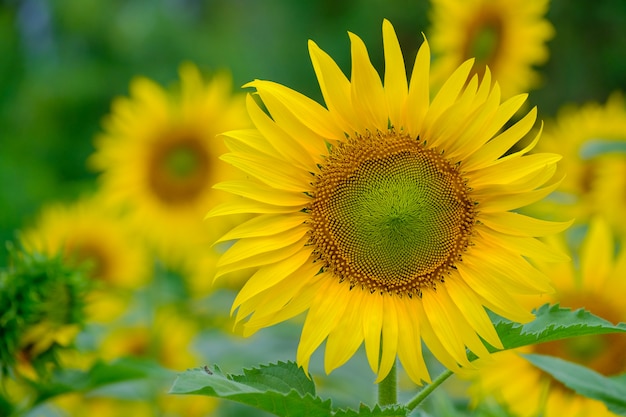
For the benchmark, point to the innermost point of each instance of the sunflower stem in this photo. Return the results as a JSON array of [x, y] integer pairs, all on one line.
[[421, 396], [388, 388]]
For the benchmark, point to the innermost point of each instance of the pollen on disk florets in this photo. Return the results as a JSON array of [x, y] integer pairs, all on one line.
[[390, 214]]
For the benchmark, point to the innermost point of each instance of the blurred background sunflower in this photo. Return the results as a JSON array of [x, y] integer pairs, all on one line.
[[83, 83]]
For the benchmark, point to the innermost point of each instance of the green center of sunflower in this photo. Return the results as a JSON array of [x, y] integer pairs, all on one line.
[[390, 215], [92, 256], [483, 40], [178, 171]]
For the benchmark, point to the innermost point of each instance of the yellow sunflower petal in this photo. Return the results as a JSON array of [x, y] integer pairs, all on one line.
[[396, 86], [596, 254], [263, 193], [288, 148], [246, 248], [520, 225], [368, 95], [261, 259], [447, 95], [264, 225], [389, 336], [494, 298], [410, 345], [335, 89], [501, 143], [285, 302], [245, 205], [324, 314], [287, 177], [347, 336], [268, 277], [307, 111], [418, 100], [438, 314], [372, 327]]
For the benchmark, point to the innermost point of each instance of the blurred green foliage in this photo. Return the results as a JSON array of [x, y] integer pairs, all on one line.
[[62, 61]]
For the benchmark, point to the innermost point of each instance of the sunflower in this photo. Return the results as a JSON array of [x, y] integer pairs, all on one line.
[[88, 234], [158, 157], [385, 213], [592, 139], [508, 36], [528, 391]]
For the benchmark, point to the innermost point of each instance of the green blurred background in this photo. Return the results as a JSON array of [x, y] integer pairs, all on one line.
[[62, 61]]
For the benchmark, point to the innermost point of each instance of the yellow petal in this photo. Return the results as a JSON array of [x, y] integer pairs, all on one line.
[[448, 93], [438, 316], [596, 253], [307, 111], [432, 341], [246, 248], [410, 342], [335, 89], [326, 310], [313, 143], [270, 275], [493, 297], [264, 194], [244, 205], [284, 144], [396, 85], [524, 246], [261, 259], [372, 327], [497, 146], [347, 336], [418, 100], [368, 96], [280, 175], [265, 225], [512, 169], [390, 336], [287, 301], [249, 141], [473, 311], [520, 225], [508, 202]]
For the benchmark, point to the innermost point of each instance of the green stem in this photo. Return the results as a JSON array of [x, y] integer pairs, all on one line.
[[388, 388], [421, 396]]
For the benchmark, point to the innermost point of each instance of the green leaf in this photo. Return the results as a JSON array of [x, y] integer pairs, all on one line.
[[584, 381], [365, 411], [282, 377], [553, 323], [282, 389]]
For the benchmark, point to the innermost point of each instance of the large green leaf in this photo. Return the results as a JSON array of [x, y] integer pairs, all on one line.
[[282, 389], [611, 391], [553, 323]]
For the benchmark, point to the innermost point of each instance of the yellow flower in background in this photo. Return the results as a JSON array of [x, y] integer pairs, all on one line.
[[528, 391], [592, 139], [158, 157], [161, 405], [508, 36], [386, 213], [164, 336], [88, 234]]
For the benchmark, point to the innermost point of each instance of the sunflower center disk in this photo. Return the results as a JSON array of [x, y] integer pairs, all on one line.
[[178, 171], [390, 215]]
